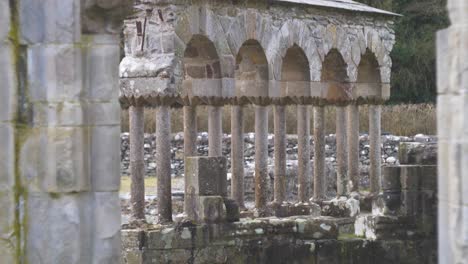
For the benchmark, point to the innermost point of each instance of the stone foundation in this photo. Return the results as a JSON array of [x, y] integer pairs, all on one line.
[[270, 240]]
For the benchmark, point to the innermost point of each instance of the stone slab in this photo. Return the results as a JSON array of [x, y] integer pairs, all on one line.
[[206, 176], [105, 158], [418, 153], [51, 77], [7, 161], [56, 21], [7, 78]]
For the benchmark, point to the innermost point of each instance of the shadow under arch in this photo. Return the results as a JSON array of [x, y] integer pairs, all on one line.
[[368, 82], [295, 73], [334, 77], [251, 73], [201, 68]]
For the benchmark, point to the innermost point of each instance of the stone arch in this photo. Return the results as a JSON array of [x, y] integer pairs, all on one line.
[[252, 74], [201, 68], [334, 77], [297, 33], [191, 23], [295, 73], [368, 82]]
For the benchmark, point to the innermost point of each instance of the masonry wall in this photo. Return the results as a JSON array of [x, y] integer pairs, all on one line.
[[58, 114], [452, 107]]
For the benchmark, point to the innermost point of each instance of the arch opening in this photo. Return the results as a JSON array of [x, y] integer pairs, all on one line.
[[334, 76], [201, 68], [295, 73], [368, 79], [251, 70]]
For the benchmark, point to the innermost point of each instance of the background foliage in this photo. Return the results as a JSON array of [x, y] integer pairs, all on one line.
[[413, 71]]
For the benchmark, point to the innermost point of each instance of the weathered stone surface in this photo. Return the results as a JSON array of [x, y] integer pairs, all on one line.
[[7, 217], [60, 240], [232, 210], [102, 59], [206, 176], [54, 21], [52, 78], [107, 238], [211, 209], [7, 76], [418, 153], [7, 163], [341, 207], [104, 169], [4, 20], [66, 168]]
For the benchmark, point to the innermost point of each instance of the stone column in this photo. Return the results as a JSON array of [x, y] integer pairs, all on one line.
[[319, 153], [261, 158], [137, 161], [452, 122], [190, 131], [163, 163], [280, 153], [190, 139], [375, 150], [237, 154], [215, 131], [341, 155], [303, 142], [353, 146]]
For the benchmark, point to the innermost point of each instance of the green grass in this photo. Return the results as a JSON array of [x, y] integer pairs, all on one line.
[[150, 185]]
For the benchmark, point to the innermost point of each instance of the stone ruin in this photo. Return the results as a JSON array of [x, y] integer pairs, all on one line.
[[269, 55], [60, 129]]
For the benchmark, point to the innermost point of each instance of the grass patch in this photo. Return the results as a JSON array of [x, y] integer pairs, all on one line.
[[150, 185]]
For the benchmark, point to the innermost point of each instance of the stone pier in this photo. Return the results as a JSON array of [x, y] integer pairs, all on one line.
[[280, 153], [261, 158], [215, 131], [137, 161], [375, 152], [452, 122], [190, 131], [237, 154], [342, 181], [319, 153], [163, 163], [352, 141], [303, 142]]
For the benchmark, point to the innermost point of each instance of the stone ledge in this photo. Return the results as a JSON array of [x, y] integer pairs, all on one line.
[[187, 235]]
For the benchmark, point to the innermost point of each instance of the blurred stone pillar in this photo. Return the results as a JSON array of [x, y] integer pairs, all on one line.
[[452, 122], [342, 180], [375, 173], [319, 153], [190, 138], [137, 161], [353, 146], [280, 154], [261, 159], [237, 154], [163, 163], [190, 131], [303, 142], [215, 131]]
